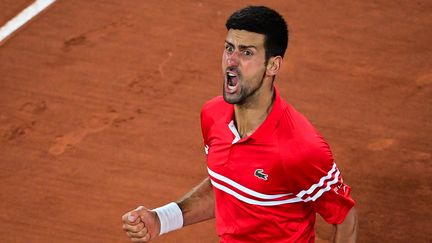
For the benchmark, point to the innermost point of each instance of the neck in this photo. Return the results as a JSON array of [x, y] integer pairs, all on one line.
[[251, 114]]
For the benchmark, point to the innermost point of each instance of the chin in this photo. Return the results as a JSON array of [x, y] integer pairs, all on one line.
[[229, 99], [233, 99]]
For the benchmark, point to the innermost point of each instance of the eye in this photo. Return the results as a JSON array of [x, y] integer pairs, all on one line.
[[229, 49], [247, 53]]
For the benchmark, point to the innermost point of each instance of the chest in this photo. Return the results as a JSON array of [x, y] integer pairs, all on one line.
[[256, 165]]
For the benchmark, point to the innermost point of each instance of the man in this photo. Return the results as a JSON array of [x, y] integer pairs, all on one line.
[[269, 170]]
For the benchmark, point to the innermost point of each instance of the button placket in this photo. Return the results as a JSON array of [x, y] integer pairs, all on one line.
[[233, 129]]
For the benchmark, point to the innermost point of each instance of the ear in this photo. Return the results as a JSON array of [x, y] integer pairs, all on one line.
[[273, 65]]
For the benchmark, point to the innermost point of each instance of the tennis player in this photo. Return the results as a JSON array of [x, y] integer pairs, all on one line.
[[269, 170]]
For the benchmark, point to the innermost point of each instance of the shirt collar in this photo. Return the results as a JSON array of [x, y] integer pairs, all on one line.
[[266, 128]]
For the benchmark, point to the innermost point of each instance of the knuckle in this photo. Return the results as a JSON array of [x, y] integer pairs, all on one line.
[[128, 228], [143, 233], [139, 227], [132, 229]]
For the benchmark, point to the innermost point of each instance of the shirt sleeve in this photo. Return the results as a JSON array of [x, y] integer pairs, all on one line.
[[205, 121], [319, 181]]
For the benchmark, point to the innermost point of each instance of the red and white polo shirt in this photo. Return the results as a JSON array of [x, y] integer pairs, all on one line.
[[268, 186]]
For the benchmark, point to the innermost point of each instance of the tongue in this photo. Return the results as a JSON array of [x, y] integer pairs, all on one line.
[[233, 81]]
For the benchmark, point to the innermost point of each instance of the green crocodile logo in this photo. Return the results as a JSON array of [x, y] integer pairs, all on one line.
[[260, 174]]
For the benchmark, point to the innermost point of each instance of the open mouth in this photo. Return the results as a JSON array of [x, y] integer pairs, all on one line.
[[232, 81]]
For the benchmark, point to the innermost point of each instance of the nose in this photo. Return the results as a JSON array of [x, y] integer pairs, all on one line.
[[233, 59]]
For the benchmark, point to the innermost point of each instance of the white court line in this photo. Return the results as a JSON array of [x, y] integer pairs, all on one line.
[[23, 17]]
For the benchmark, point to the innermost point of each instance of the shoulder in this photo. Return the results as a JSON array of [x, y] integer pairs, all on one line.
[[297, 120], [296, 128], [214, 110], [215, 107], [214, 104], [308, 146]]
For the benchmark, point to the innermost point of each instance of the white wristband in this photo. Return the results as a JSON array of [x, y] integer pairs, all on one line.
[[170, 217]]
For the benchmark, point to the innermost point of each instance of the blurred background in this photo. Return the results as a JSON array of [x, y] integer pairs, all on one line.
[[100, 104]]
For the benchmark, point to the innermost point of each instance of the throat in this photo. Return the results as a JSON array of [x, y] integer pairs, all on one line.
[[249, 120], [248, 117]]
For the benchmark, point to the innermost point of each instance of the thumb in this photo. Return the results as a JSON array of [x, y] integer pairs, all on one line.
[[134, 215]]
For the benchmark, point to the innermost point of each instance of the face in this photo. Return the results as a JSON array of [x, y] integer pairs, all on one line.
[[243, 65]]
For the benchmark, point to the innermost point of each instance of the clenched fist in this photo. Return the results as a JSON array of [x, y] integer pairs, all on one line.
[[141, 224]]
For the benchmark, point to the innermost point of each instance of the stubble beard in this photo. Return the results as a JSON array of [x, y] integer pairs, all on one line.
[[245, 95], [238, 99]]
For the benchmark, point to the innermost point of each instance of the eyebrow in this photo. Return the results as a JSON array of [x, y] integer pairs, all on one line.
[[242, 47]]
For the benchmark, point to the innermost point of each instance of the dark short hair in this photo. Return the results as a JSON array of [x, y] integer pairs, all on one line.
[[262, 20]]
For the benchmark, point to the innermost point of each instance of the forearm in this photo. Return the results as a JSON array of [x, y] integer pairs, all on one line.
[[198, 204], [347, 230]]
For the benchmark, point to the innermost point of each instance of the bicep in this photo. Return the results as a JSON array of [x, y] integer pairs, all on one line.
[[319, 181]]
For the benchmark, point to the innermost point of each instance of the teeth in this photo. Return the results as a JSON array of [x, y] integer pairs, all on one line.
[[231, 74]]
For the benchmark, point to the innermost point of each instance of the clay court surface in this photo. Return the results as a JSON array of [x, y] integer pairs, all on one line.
[[100, 102]]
